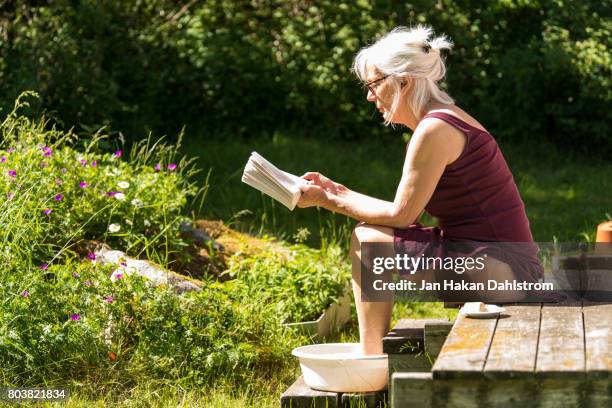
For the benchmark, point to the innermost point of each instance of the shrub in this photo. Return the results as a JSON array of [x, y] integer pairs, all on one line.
[[60, 320], [298, 284], [532, 69], [66, 319], [55, 195]]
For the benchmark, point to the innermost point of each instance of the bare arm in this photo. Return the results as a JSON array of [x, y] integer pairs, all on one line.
[[426, 157]]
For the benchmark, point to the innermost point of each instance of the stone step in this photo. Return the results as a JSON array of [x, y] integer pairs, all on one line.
[[299, 395]]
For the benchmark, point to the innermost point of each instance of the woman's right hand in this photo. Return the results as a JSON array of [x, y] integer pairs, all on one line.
[[320, 180]]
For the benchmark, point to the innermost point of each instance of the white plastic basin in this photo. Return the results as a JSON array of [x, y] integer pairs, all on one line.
[[339, 367]]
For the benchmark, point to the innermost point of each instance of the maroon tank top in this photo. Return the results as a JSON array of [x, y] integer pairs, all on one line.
[[476, 197]]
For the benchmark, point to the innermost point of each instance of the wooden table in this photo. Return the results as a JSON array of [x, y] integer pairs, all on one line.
[[532, 355]]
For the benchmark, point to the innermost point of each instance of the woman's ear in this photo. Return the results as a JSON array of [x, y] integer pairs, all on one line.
[[406, 85]]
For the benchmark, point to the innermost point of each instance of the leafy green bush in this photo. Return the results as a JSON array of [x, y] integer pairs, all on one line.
[[66, 319], [298, 284], [74, 322], [529, 70], [55, 195]]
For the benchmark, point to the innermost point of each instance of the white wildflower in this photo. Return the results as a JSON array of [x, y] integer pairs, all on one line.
[[120, 196], [123, 184], [114, 228], [147, 223], [137, 203]]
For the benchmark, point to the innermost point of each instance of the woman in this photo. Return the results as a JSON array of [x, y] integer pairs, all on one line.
[[453, 169]]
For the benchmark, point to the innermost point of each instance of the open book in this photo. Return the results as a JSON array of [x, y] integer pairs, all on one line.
[[267, 178]]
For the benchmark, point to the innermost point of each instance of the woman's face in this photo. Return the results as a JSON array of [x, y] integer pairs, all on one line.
[[380, 92]]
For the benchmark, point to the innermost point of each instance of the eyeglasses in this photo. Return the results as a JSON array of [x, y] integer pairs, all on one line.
[[375, 81]]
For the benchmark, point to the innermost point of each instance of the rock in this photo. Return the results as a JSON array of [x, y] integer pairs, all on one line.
[[155, 273], [199, 235]]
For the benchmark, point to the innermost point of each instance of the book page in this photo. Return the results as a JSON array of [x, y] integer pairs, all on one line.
[[262, 175]]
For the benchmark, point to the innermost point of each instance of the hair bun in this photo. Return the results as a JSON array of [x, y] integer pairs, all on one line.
[[441, 42]]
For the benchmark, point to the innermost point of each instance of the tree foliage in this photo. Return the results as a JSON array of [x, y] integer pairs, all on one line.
[[527, 69]]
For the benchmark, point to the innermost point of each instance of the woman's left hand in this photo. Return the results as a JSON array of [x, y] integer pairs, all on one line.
[[312, 195]]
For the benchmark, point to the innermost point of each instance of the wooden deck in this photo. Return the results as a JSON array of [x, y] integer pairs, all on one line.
[[532, 355]]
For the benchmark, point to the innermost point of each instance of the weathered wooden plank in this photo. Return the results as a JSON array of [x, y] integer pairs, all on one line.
[[567, 393], [599, 393], [407, 337], [482, 392], [561, 344], [412, 390], [465, 350], [405, 346], [512, 393], [299, 395], [459, 393], [598, 285], [421, 390], [399, 363], [435, 336], [592, 261], [515, 343], [364, 400], [598, 339]]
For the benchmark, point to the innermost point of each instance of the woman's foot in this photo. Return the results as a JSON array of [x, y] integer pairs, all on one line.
[[371, 349]]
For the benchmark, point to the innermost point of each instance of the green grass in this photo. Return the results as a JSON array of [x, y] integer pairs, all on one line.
[[565, 197]]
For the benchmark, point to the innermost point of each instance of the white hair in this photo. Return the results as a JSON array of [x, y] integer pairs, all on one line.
[[408, 53]]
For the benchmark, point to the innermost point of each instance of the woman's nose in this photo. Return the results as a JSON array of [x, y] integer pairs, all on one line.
[[371, 97]]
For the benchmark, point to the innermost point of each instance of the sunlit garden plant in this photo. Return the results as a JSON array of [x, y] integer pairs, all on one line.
[[56, 191], [68, 317], [298, 283]]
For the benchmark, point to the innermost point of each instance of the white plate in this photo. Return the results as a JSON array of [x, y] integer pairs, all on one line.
[[472, 309]]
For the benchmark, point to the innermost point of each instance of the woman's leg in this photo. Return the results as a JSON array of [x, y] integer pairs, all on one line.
[[374, 317]]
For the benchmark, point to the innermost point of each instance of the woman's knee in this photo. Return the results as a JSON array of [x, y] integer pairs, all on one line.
[[364, 232]]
